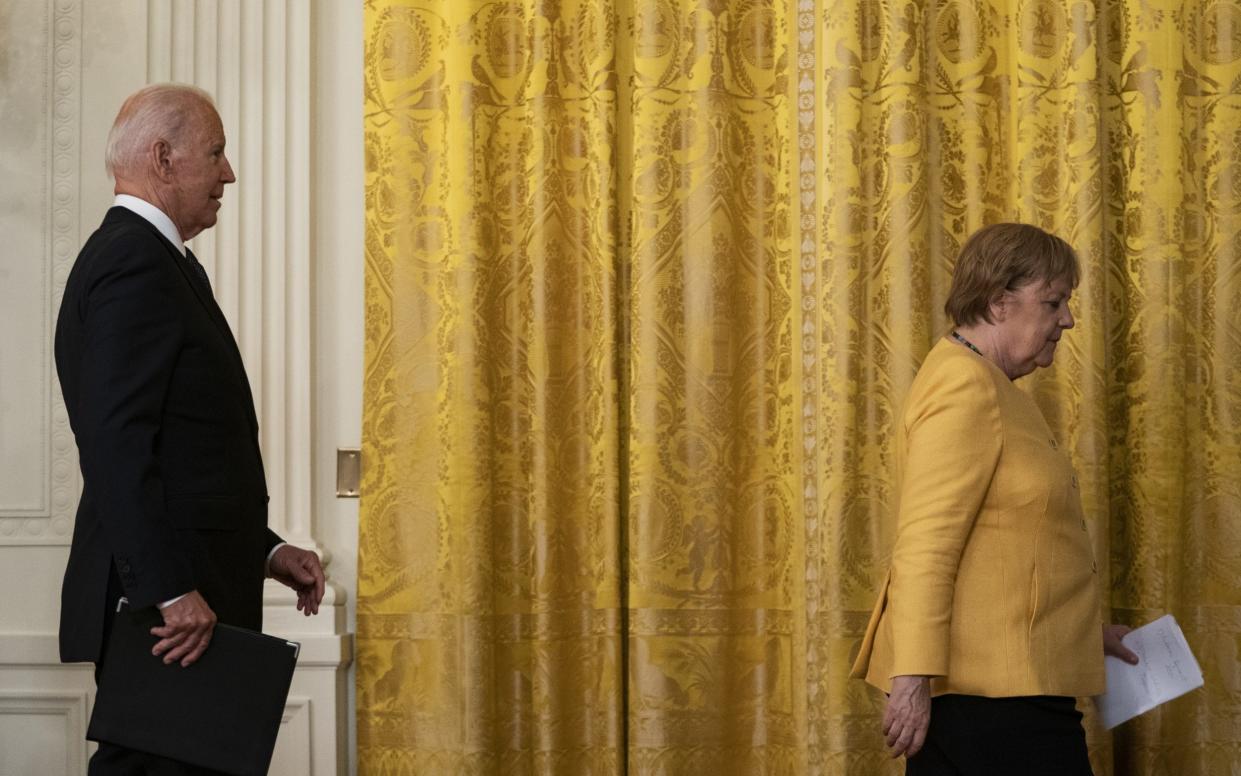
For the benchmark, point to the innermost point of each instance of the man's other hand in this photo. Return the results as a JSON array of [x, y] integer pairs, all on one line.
[[300, 570], [186, 632]]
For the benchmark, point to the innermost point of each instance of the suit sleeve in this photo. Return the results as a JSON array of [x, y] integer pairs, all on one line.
[[954, 439], [273, 539], [132, 337]]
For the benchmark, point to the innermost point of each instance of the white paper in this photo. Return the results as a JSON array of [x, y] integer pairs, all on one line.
[[1166, 669]]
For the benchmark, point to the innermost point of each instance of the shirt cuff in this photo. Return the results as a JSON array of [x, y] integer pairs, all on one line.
[[267, 563], [171, 601]]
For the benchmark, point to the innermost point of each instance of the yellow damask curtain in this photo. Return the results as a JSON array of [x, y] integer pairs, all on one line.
[[646, 285]]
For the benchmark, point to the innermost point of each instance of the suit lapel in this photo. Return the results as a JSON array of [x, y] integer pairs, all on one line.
[[221, 323]]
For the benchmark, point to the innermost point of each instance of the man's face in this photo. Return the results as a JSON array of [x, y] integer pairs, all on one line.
[[200, 170]]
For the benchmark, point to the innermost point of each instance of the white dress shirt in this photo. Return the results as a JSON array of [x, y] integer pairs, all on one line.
[[156, 217]]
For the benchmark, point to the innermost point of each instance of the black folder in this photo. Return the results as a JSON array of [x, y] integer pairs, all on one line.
[[222, 712]]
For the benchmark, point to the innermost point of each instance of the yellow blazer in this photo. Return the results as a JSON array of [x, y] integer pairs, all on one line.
[[992, 587]]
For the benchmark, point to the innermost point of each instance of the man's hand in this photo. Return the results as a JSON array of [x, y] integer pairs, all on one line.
[[1112, 634], [186, 632], [300, 570], [908, 715]]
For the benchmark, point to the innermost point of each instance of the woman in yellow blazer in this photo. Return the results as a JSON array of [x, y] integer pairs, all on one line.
[[987, 625]]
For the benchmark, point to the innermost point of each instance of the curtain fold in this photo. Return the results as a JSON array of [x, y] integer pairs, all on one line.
[[489, 595], [714, 550], [646, 286]]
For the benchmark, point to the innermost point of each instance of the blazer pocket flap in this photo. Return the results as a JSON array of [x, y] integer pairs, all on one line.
[[205, 512]]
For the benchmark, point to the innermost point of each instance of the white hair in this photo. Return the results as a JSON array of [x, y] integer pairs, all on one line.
[[153, 113]]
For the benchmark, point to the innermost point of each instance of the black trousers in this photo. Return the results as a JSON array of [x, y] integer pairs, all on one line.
[[113, 760], [974, 736]]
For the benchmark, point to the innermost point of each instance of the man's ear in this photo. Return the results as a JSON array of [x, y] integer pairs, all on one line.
[[161, 160]]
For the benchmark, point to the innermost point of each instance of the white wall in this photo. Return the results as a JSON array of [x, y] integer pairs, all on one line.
[[286, 263]]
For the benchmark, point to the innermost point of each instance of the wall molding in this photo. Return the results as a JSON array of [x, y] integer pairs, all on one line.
[[296, 705], [295, 742], [51, 523], [71, 707]]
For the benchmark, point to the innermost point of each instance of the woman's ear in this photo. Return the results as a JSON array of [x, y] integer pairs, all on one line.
[[998, 305]]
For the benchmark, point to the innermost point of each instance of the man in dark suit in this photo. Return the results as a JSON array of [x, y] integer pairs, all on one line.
[[174, 501]]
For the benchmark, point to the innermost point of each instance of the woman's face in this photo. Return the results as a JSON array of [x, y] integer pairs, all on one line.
[[1031, 320]]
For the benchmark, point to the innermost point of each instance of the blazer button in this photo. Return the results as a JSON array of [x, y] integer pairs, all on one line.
[[1083, 524], [1094, 566], [1054, 444], [1075, 480]]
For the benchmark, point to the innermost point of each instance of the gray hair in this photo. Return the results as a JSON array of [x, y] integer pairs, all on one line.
[[153, 113]]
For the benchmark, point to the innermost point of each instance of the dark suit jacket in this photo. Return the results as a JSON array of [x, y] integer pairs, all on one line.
[[174, 497]]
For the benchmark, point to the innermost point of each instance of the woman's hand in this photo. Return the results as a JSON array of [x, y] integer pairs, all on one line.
[[908, 714], [1112, 634]]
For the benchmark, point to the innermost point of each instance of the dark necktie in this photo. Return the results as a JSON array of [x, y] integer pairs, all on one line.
[[198, 272]]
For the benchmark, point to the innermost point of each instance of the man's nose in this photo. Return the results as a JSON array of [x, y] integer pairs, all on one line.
[[228, 176]]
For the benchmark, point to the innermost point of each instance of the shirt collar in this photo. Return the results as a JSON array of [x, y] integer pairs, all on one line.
[[154, 215]]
